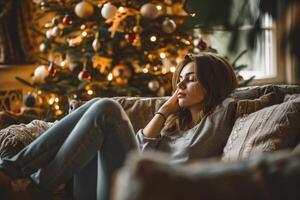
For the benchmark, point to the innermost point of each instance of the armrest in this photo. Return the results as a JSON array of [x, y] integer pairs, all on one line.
[[269, 176]]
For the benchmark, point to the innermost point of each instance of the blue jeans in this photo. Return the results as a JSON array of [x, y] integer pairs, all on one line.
[[100, 126]]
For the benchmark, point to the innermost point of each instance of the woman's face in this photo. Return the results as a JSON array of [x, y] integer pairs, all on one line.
[[190, 91]]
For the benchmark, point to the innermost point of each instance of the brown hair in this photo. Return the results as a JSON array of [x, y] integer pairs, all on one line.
[[217, 77]]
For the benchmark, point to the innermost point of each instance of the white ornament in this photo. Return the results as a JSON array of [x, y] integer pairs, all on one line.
[[150, 11], [96, 44], [154, 85], [43, 47], [84, 9], [40, 74], [49, 34], [108, 10], [168, 26], [55, 31]]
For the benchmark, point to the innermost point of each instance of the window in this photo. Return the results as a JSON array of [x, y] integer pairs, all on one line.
[[260, 61]]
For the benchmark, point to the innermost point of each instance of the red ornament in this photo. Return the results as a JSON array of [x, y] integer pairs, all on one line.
[[52, 70], [130, 37], [202, 45], [84, 75], [67, 20]]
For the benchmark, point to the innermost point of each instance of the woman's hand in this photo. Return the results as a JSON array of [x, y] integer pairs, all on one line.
[[171, 106]]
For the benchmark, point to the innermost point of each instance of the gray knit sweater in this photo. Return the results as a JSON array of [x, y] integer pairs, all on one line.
[[206, 139]]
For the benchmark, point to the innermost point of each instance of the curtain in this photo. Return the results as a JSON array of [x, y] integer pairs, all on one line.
[[17, 45]]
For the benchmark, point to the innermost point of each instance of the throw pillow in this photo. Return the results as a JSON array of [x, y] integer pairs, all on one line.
[[269, 129], [247, 106]]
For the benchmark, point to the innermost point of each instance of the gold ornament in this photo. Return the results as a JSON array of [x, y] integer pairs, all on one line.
[[168, 26], [121, 73], [84, 9], [137, 29]]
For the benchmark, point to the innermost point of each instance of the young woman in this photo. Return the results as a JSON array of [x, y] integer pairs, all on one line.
[[194, 122]]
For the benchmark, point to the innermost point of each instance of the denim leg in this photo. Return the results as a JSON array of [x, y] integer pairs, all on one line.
[[104, 127], [43, 149]]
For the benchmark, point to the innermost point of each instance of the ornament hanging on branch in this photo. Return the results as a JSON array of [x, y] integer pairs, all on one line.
[[153, 85], [149, 11], [121, 73], [67, 20], [43, 47], [202, 45], [51, 69], [96, 44], [29, 100], [108, 10], [84, 75], [130, 37], [84, 10], [168, 26], [40, 74]]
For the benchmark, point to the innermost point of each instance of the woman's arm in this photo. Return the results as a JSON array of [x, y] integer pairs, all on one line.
[[154, 127]]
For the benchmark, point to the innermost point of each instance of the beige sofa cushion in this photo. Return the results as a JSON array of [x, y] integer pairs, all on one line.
[[269, 129], [248, 106], [140, 110]]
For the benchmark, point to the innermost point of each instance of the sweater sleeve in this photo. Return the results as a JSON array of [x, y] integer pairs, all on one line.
[[146, 143]]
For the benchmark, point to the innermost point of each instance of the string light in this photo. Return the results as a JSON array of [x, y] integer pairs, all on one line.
[[145, 70], [162, 55], [84, 33], [56, 99], [153, 38], [90, 92], [172, 69], [121, 9], [110, 77], [159, 7], [51, 101], [82, 27], [56, 107]]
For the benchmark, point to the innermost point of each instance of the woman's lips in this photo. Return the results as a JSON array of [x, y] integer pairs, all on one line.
[[181, 95]]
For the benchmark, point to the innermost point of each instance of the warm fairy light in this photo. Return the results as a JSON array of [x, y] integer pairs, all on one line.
[[84, 33], [51, 101], [155, 68], [56, 107], [145, 70], [56, 99], [90, 92], [63, 63], [39, 92], [110, 77], [162, 55], [172, 69], [82, 27], [159, 7], [164, 71], [121, 9], [153, 38], [187, 42], [193, 14]]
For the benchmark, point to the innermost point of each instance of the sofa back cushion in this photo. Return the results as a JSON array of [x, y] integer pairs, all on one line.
[[269, 129], [140, 110]]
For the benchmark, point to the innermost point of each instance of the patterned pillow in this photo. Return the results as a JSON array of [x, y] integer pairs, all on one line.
[[269, 129]]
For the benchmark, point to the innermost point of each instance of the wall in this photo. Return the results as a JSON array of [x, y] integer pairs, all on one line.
[[11, 90]]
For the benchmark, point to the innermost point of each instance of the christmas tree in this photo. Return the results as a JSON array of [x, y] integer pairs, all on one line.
[[106, 48]]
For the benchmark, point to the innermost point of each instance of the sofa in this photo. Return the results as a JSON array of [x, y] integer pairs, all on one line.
[[261, 149]]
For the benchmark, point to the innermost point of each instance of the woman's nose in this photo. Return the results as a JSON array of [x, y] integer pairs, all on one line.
[[181, 84]]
